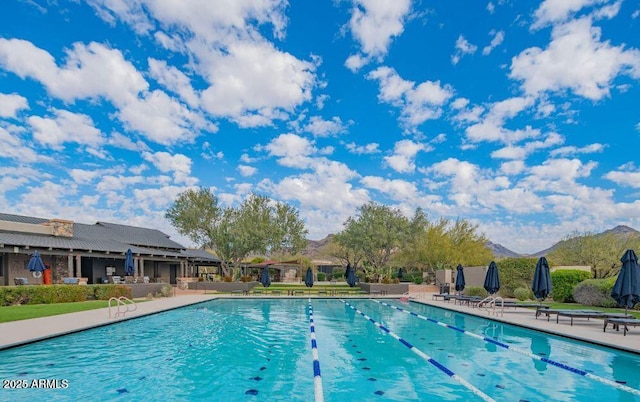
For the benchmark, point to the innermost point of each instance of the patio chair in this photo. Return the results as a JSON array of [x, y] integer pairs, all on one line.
[[625, 322]]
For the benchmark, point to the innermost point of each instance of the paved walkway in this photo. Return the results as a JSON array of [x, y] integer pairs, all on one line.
[[25, 331]]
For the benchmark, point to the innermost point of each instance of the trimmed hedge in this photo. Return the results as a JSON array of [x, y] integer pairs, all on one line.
[[595, 292], [515, 273], [564, 281], [321, 276], [16, 295], [523, 294]]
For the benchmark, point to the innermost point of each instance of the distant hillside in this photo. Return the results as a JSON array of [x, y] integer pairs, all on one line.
[[620, 230], [500, 251], [314, 249]]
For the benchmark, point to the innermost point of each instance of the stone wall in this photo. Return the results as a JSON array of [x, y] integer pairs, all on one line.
[[61, 227]]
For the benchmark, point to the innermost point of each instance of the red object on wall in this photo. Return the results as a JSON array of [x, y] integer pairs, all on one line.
[[46, 275]]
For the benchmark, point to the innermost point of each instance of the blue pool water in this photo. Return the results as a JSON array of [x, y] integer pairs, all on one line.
[[259, 350]]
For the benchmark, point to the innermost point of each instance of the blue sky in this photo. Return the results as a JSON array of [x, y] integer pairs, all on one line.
[[519, 116]]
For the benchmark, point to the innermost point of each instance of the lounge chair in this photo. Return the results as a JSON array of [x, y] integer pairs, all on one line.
[[625, 322], [71, 281], [21, 281]]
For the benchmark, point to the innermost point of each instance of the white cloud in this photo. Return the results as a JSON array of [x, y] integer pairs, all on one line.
[[498, 38], [246, 171], [576, 59], [10, 104], [555, 11], [174, 80], [572, 150], [371, 148], [625, 177], [253, 83], [463, 47], [373, 25], [490, 127], [13, 147], [404, 154], [491, 8], [398, 190], [325, 128], [292, 150], [417, 103], [165, 162], [64, 127], [521, 152]]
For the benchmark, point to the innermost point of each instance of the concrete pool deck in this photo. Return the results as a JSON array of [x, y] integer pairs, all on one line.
[[17, 333]]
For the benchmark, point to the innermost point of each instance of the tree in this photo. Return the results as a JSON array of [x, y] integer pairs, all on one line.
[[601, 252], [375, 233], [234, 233]]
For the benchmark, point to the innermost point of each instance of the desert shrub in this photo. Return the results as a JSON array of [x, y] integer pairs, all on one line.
[[321, 276], [564, 281], [228, 278], [245, 278], [515, 273], [523, 294], [595, 292], [166, 291], [475, 291], [415, 277], [105, 292], [338, 273]]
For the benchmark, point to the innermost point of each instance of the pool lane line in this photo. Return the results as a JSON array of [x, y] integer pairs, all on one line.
[[317, 378], [426, 357], [563, 366]]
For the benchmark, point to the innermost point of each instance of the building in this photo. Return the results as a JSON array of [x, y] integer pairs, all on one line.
[[94, 253]]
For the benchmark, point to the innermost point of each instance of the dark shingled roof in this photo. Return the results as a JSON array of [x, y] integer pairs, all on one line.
[[198, 254], [102, 236]]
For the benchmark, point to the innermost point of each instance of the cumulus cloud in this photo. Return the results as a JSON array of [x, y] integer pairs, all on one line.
[[10, 104], [325, 128], [292, 150], [174, 80], [64, 127], [404, 153], [417, 103], [398, 190], [573, 150], [576, 60], [373, 25], [490, 126], [555, 11], [371, 148], [247, 171]]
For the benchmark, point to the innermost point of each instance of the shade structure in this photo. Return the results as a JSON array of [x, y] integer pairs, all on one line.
[[460, 284], [399, 273], [351, 276], [128, 263], [308, 278], [36, 265], [541, 280], [265, 278], [626, 290], [492, 280]]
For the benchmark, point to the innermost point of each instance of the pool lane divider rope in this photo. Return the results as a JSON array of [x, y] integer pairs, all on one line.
[[563, 366], [317, 378], [426, 357]]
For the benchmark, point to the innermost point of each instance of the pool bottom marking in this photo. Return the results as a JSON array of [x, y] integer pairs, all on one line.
[[317, 377], [563, 366], [420, 353]]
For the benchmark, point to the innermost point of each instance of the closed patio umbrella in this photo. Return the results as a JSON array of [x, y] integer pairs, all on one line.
[[308, 278], [265, 278], [35, 265], [492, 280], [626, 290], [128, 263], [351, 275], [541, 280], [460, 284]]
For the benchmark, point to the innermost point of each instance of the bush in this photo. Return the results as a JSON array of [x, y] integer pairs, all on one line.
[[246, 278], [523, 294], [338, 273], [564, 281], [475, 291], [227, 278], [321, 276], [106, 292], [515, 273], [595, 292], [166, 291]]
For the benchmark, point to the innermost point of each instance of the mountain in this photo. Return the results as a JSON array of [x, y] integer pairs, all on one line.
[[314, 249]]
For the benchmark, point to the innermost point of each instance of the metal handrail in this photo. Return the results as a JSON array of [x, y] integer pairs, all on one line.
[[124, 302], [490, 302]]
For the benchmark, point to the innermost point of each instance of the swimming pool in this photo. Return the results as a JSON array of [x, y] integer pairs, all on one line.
[[367, 350]]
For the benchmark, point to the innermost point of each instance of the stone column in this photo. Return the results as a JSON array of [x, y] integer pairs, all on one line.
[[70, 265], [141, 267], [78, 266]]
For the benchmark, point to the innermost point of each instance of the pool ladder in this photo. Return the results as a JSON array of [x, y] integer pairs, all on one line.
[[418, 293], [123, 306], [490, 304]]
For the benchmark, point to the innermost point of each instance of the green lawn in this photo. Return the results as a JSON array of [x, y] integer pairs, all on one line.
[[27, 311]]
